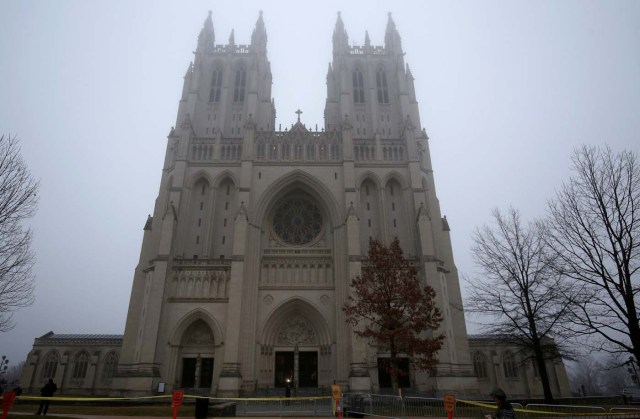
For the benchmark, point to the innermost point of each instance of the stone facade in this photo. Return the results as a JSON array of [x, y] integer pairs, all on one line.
[[499, 363], [79, 364], [256, 232]]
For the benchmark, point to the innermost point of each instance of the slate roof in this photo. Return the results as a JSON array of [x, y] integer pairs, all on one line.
[[70, 338]]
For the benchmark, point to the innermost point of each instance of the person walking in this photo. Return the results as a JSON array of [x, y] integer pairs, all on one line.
[[504, 409], [46, 391]]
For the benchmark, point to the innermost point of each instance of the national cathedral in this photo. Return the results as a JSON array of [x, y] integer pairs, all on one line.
[[257, 231]]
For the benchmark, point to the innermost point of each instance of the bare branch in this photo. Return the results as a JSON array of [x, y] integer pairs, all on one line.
[[18, 201], [517, 288], [595, 234]]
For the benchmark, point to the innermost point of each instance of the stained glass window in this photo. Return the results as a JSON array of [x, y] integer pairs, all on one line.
[[297, 221], [480, 365], [81, 364]]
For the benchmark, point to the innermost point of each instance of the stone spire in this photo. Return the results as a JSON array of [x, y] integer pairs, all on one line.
[[259, 36], [232, 39], [392, 37], [340, 38], [206, 39]]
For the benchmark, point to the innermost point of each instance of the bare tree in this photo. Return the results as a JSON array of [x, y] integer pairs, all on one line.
[[595, 234], [518, 291], [14, 373], [394, 311], [615, 374], [18, 201], [587, 377]]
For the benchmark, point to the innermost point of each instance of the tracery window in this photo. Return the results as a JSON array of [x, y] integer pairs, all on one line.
[[216, 85], [110, 366], [381, 84], [311, 152], [50, 365], [297, 221], [480, 365], [285, 150], [80, 365], [509, 365], [358, 87], [240, 84], [335, 151], [260, 153]]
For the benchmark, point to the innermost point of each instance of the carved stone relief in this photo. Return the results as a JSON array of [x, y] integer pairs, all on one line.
[[296, 331], [198, 334]]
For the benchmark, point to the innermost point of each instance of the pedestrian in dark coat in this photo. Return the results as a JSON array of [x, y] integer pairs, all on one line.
[[504, 409], [46, 391]]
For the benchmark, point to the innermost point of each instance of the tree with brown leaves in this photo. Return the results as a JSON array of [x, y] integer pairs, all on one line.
[[391, 308]]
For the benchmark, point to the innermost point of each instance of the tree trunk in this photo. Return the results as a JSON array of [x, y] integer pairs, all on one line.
[[542, 369]]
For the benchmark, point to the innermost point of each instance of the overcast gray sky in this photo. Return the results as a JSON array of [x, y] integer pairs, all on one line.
[[506, 89]]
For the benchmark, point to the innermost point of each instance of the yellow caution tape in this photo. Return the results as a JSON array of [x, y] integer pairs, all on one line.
[[168, 396], [90, 399], [542, 412]]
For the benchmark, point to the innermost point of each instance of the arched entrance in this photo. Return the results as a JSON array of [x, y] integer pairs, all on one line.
[[196, 360], [195, 343], [295, 347]]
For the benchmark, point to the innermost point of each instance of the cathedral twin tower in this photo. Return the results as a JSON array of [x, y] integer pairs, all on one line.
[[256, 233]]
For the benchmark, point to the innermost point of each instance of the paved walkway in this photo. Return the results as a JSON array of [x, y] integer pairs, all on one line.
[[69, 415]]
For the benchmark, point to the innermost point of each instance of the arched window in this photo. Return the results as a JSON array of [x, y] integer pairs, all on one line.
[[381, 84], [260, 153], [240, 84], [285, 149], [311, 151], [335, 151], [509, 365], [358, 87], [80, 365], [110, 366], [216, 85], [480, 365], [50, 365]]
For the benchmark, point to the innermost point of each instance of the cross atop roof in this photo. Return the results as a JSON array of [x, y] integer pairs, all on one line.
[[298, 112]]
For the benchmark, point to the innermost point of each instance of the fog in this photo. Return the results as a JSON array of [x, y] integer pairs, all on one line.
[[506, 91]]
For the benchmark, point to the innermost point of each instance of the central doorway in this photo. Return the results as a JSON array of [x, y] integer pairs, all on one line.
[[300, 367], [197, 372]]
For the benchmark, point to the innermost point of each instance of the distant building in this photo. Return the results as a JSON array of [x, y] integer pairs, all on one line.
[[497, 362], [77, 363], [257, 231]]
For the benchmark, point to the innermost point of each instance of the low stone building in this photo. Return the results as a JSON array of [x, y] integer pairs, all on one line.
[[497, 362], [79, 364]]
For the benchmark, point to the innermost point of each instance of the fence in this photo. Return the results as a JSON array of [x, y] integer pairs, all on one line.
[[288, 406], [358, 405], [371, 405]]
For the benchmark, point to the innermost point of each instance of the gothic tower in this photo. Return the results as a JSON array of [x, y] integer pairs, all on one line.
[[246, 261]]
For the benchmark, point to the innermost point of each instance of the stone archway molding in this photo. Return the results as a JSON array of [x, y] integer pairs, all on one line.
[[187, 320], [296, 320]]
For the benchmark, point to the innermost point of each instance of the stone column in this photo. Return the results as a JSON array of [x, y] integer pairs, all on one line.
[[230, 377]]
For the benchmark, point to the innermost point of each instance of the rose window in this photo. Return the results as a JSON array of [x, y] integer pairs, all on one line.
[[297, 221]]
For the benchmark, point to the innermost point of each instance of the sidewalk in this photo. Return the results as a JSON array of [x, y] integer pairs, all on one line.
[[53, 415]]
